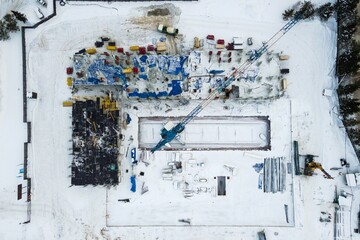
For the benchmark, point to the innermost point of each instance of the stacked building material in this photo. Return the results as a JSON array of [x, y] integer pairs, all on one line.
[[274, 174]]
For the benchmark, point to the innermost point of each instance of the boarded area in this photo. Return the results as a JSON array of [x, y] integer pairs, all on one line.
[[211, 133]]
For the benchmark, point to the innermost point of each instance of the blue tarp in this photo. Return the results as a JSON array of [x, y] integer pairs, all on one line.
[[162, 63], [143, 94], [176, 88], [133, 184], [175, 64], [260, 181], [143, 76], [128, 118], [216, 72], [151, 61], [110, 72], [258, 167], [99, 72]]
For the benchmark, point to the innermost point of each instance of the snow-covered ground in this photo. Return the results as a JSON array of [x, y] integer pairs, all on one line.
[[62, 212]]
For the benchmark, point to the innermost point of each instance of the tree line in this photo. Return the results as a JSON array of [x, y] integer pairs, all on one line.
[[9, 24], [348, 56]]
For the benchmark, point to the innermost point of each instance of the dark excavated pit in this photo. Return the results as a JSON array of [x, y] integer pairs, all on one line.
[[159, 12]]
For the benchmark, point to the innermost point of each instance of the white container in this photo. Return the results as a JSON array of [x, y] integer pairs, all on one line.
[[39, 13]]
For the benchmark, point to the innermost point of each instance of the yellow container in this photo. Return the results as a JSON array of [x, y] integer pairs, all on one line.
[[67, 104], [284, 57], [160, 44], [134, 48], [91, 50], [69, 81], [284, 84], [127, 70], [196, 42], [111, 48], [161, 48]]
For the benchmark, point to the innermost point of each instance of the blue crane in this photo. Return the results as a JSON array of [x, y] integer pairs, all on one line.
[[168, 135]]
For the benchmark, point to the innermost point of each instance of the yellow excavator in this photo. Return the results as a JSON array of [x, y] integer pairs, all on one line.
[[311, 166]]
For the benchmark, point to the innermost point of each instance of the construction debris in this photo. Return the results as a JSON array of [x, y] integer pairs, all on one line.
[[95, 142]]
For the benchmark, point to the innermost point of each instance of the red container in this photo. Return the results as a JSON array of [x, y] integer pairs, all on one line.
[[120, 50], [69, 70], [150, 47], [142, 50], [220, 41], [210, 37], [135, 70]]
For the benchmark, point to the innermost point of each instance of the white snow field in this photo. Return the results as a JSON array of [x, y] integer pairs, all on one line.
[[59, 211]]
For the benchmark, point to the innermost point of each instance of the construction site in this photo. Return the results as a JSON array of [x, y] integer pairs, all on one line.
[[155, 121], [151, 86]]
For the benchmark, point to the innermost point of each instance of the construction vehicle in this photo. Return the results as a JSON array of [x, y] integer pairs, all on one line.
[[169, 134], [311, 166], [168, 30]]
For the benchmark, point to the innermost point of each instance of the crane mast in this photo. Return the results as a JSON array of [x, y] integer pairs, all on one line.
[[169, 135]]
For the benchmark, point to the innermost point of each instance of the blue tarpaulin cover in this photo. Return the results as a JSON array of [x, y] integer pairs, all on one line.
[[176, 88], [133, 184]]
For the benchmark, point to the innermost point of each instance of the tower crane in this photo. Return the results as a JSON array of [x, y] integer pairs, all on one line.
[[170, 133]]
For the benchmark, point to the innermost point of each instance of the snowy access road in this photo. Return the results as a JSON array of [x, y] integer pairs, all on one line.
[[210, 133]]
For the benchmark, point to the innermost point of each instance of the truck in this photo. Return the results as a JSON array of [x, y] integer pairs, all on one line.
[[168, 30]]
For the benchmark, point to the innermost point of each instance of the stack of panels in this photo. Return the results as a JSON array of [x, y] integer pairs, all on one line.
[[274, 174]]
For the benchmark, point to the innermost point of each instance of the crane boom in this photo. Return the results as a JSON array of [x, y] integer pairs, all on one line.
[[169, 135]]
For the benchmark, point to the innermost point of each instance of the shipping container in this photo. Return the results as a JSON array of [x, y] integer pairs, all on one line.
[[67, 104], [150, 47], [219, 46], [142, 50], [134, 48], [161, 48], [127, 70], [91, 51], [196, 42], [69, 81], [111, 48], [283, 57], [69, 70], [284, 84], [220, 41]]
